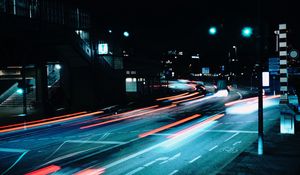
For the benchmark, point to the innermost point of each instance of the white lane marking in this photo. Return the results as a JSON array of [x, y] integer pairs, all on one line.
[[132, 155], [175, 156], [196, 158], [230, 131], [135, 170], [231, 136], [156, 160], [85, 141], [213, 148], [23, 151], [173, 172], [238, 142], [172, 158]]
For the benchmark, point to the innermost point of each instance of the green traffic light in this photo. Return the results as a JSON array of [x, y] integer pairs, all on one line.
[[212, 30], [247, 32]]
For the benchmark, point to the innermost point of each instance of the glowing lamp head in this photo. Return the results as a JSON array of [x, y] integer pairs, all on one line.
[[57, 66], [126, 34], [247, 32], [212, 31], [20, 91]]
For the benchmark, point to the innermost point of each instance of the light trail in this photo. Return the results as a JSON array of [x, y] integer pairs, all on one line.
[[91, 172], [46, 170], [250, 99], [189, 99], [169, 126], [194, 127], [182, 97], [165, 98], [128, 117], [116, 115], [49, 122], [42, 120]]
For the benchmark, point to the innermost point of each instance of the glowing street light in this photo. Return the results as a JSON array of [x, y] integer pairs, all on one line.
[[20, 91], [126, 34], [212, 31], [247, 32]]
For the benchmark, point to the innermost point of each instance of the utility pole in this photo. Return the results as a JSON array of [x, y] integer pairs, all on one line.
[[260, 46]]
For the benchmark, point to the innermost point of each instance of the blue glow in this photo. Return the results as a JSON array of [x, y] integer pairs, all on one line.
[[247, 32], [126, 34], [212, 30], [221, 93], [20, 91], [249, 107], [57, 66], [181, 139], [109, 31]]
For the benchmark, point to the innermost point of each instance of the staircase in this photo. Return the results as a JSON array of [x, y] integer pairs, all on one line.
[[16, 100]]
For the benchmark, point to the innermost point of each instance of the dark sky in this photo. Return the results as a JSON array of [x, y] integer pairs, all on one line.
[[157, 26]]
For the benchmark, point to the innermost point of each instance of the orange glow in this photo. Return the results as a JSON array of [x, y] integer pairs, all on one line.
[[42, 120], [169, 126], [123, 118], [91, 172], [115, 115], [46, 170], [128, 112], [193, 98], [49, 122], [196, 126], [186, 96], [164, 98]]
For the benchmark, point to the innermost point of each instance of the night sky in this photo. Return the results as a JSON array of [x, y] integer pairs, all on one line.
[[157, 26]]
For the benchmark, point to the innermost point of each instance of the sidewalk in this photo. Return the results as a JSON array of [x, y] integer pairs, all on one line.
[[281, 156]]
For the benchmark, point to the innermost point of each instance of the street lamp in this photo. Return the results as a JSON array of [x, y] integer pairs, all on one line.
[[247, 32], [212, 30], [126, 34]]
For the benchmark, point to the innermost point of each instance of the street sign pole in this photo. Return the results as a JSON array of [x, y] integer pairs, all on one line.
[[260, 44]]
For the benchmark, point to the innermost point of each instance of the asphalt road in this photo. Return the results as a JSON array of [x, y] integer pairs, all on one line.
[[196, 136]]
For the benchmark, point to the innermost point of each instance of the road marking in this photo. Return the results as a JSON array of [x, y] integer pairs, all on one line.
[[196, 158], [173, 172], [156, 160], [232, 136], [213, 148], [238, 142], [230, 131], [135, 170], [175, 156], [172, 158], [86, 141], [23, 151]]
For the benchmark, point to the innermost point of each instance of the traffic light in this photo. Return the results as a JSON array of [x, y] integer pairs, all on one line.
[[247, 32], [212, 31]]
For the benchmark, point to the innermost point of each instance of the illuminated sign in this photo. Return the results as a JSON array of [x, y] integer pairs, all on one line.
[[102, 49], [205, 70], [265, 79]]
